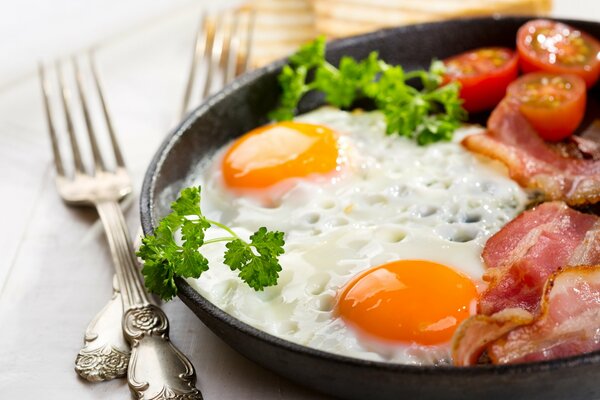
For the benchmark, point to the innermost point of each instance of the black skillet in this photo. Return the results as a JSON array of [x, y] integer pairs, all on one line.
[[244, 105]]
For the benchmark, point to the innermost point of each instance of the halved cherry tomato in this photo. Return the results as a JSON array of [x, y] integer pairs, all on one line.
[[550, 46], [483, 74], [553, 104]]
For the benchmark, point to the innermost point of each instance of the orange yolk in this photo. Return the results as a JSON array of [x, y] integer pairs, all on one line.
[[408, 301], [272, 153]]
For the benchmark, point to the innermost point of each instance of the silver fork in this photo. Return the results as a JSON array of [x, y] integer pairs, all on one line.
[[223, 47], [157, 369]]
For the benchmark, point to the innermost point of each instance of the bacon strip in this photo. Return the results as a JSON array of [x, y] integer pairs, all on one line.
[[589, 141], [531, 162], [523, 254], [522, 260], [476, 333], [568, 324], [587, 146]]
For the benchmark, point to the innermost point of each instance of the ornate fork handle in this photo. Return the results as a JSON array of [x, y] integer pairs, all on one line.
[[105, 354], [157, 369]]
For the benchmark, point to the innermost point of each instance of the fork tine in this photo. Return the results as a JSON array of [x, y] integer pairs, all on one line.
[[232, 45], [247, 54], [219, 41], [200, 46], [214, 56], [98, 162], [111, 132], [55, 150], [65, 96]]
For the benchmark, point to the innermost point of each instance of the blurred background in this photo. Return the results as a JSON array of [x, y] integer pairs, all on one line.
[[33, 30]]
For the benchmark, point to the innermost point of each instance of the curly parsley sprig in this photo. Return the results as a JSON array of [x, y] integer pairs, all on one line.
[[164, 258], [428, 115]]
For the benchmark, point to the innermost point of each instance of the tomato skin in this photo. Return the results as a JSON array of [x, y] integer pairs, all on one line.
[[553, 104], [484, 86], [563, 54]]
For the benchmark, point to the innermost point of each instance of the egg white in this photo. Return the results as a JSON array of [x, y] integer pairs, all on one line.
[[396, 200]]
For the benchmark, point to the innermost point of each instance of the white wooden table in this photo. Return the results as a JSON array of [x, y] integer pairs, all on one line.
[[55, 269]]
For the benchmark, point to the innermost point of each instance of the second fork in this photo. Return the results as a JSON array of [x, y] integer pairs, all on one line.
[[157, 369], [223, 47]]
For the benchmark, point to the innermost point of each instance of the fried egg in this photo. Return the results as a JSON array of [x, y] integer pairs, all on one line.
[[383, 237]]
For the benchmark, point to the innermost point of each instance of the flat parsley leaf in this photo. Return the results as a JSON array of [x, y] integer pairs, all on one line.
[[188, 202], [310, 55], [342, 86], [292, 78], [165, 259], [192, 263], [259, 267], [427, 115], [292, 82]]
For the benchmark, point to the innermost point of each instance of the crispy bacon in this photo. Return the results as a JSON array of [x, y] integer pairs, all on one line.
[[523, 259], [531, 162], [523, 254], [476, 333], [589, 141], [588, 147], [568, 324]]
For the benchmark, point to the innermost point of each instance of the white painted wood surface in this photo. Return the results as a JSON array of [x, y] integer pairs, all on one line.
[[55, 269]]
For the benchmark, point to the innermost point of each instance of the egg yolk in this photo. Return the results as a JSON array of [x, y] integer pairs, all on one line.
[[408, 301], [272, 153]]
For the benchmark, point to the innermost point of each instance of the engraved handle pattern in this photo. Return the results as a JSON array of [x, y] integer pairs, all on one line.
[[147, 330], [157, 369], [105, 354]]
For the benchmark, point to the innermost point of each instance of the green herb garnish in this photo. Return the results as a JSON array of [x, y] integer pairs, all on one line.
[[428, 115], [164, 258]]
